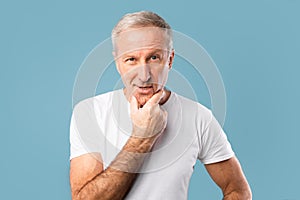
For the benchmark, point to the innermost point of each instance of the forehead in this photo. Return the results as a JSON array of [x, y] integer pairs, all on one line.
[[136, 39]]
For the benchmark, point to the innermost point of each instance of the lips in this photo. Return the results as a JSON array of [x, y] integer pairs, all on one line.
[[145, 86], [145, 89]]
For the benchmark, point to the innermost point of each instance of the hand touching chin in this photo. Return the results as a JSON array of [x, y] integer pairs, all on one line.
[[142, 98]]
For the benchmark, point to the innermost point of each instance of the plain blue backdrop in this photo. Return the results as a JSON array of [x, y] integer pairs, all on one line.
[[255, 44]]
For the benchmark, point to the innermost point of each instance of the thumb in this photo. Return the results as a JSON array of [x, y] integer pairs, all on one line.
[[155, 98]]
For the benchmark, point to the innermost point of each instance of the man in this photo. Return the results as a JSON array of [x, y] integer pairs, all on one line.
[[142, 142]]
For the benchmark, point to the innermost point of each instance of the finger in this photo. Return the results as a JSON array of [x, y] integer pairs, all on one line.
[[155, 98], [163, 94], [165, 113], [133, 104]]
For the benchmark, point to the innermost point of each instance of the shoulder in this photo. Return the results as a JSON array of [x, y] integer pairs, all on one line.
[[101, 100], [193, 107]]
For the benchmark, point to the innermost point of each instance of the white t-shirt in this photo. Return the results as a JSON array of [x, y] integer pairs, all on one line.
[[102, 124]]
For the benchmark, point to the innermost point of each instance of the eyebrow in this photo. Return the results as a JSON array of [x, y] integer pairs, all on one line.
[[132, 54]]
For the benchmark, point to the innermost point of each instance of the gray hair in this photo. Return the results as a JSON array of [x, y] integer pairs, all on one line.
[[141, 19]]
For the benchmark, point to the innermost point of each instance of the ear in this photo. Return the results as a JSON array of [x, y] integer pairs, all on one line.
[[116, 61], [171, 58]]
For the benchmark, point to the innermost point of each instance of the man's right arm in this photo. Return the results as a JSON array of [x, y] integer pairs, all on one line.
[[87, 177], [116, 180]]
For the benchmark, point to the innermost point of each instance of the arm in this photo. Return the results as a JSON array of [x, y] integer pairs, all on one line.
[[228, 175], [89, 181], [87, 177]]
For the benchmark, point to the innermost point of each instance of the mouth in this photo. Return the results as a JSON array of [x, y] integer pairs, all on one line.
[[147, 89]]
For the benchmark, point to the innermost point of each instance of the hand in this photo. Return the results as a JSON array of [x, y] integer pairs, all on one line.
[[151, 119]]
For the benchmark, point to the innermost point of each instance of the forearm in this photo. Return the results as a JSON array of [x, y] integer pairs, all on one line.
[[114, 182]]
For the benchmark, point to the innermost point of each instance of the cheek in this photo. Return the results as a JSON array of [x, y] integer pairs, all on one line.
[[160, 76], [128, 75]]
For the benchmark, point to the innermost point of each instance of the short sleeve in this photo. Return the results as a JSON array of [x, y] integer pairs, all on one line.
[[214, 145], [84, 130]]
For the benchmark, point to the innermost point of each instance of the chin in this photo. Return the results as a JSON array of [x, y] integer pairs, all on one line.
[[142, 99]]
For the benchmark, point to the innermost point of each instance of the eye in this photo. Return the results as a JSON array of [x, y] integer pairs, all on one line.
[[154, 57], [131, 59]]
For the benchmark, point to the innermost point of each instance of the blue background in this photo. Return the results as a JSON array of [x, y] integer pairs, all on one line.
[[255, 45]]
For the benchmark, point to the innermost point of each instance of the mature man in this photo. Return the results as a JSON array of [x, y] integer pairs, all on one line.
[[143, 141]]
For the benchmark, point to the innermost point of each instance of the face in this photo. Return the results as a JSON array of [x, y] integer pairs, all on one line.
[[143, 60]]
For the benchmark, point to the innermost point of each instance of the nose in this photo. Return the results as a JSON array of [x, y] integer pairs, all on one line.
[[144, 73]]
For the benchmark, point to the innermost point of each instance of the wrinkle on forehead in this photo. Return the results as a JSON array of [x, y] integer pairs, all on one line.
[[136, 39]]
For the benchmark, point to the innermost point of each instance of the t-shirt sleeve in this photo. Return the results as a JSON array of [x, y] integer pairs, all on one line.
[[214, 145], [84, 130], [76, 148]]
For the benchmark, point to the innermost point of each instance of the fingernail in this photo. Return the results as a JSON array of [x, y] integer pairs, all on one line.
[[163, 94]]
